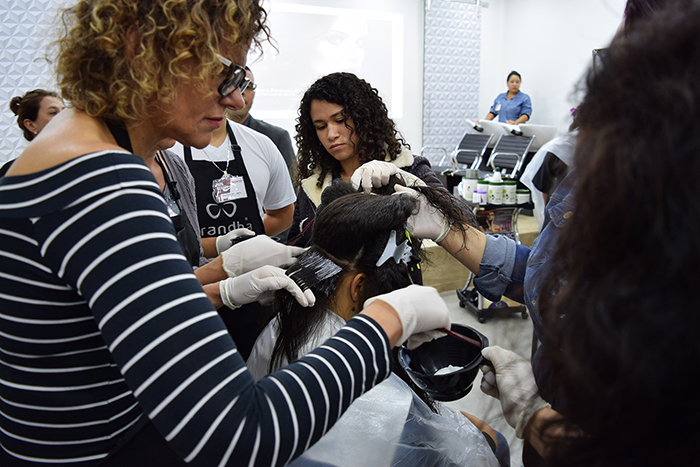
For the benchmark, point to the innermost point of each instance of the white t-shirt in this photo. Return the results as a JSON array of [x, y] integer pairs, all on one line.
[[261, 355], [265, 165]]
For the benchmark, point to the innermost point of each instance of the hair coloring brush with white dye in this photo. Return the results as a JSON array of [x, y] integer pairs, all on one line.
[[311, 269]]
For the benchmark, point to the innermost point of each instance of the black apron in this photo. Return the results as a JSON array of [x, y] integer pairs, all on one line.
[[245, 323], [220, 218], [186, 236]]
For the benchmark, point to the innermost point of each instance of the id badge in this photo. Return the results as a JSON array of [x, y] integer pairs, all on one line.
[[228, 188], [497, 107]]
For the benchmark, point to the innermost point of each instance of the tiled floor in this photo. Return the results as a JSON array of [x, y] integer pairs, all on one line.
[[509, 331]]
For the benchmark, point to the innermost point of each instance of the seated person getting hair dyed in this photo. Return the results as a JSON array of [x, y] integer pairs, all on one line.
[[355, 256]]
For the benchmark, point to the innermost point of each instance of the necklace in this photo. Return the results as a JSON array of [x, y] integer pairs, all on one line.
[[228, 157]]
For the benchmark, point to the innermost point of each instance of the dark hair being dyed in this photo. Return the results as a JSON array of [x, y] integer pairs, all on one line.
[[347, 235]]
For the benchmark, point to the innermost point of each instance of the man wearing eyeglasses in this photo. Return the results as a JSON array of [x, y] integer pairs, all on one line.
[[241, 182], [278, 135]]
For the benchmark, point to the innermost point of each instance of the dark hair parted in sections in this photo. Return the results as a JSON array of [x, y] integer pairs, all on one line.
[[347, 235], [352, 230], [624, 349], [96, 75], [514, 73], [27, 107], [377, 133]]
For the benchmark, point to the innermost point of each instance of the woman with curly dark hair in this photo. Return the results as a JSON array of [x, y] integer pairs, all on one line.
[[344, 131]]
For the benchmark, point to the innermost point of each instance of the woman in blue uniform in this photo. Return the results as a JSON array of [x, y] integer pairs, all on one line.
[[512, 107]]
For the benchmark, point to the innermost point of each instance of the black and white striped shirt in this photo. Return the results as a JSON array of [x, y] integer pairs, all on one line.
[[102, 321]]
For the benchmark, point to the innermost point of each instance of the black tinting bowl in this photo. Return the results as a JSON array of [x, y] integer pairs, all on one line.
[[422, 363]]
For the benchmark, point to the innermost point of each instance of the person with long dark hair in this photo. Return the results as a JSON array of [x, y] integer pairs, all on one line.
[[112, 354], [357, 257], [504, 268], [344, 131]]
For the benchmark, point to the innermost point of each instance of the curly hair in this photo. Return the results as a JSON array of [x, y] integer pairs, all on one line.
[[377, 133], [27, 107], [95, 74], [622, 345]]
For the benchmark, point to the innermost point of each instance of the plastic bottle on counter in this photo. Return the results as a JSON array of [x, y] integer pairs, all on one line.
[[482, 185], [523, 196], [470, 183], [509, 192], [496, 188], [480, 197]]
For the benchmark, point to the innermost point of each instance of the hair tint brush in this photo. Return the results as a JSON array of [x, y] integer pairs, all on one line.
[[473, 342], [311, 269]]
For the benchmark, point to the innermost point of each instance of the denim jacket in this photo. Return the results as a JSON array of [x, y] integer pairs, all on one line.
[[517, 272]]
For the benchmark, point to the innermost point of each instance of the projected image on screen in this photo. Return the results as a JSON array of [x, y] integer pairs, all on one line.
[[315, 41]]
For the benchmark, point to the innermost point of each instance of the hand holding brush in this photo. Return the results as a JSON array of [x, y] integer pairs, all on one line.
[[258, 251], [249, 287]]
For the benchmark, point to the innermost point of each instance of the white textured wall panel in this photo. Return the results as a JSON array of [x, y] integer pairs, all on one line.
[[24, 32], [451, 72]]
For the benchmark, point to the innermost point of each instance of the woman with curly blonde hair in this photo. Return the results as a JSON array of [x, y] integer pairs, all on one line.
[[344, 130], [112, 354]]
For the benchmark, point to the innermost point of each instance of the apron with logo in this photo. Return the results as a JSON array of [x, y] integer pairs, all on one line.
[[235, 208]]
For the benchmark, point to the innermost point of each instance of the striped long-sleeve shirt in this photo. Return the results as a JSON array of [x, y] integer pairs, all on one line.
[[102, 322]]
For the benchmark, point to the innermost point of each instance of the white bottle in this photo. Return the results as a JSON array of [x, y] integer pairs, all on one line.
[[469, 183], [496, 189]]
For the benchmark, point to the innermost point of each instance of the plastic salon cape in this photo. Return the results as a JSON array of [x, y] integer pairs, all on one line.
[[389, 426]]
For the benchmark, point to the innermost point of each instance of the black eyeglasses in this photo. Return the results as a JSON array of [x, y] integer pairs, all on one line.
[[234, 78]]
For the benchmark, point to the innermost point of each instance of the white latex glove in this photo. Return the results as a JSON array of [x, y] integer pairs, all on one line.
[[375, 174], [422, 312], [512, 382], [427, 222], [248, 287], [223, 242], [256, 252]]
